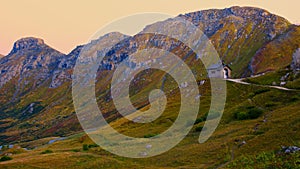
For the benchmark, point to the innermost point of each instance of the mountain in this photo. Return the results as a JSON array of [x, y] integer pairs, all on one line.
[[36, 97], [238, 33], [243, 36], [36, 90], [29, 64], [35, 83]]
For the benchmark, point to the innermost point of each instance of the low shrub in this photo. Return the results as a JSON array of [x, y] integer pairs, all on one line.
[[5, 158], [294, 98], [93, 145], [251, 95], [85, 147], [47, 152], [249, 113], [241, 115], [254, 113]]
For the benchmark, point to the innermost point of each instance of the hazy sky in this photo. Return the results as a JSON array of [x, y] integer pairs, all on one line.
[[66, 24]]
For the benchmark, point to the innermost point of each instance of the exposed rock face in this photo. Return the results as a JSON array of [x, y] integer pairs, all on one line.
[[64, 70], [290, 149], [296, 60], [29, 43], [31, 62]]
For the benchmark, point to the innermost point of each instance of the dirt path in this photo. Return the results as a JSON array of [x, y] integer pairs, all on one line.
[[231, 159], [240, 81]]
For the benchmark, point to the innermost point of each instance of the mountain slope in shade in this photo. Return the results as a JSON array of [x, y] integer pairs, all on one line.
[[35, 83]]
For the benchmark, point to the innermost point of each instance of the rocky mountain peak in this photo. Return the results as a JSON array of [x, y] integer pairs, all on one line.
[[248, 11], [214, 19], [27, 43], [108, 37], [112, 34], [30, 59], [243, 12]]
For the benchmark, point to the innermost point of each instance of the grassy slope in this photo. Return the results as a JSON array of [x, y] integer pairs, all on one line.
[[293, 80], [277, 54], [281, 128], [54, 109], [239, 51]]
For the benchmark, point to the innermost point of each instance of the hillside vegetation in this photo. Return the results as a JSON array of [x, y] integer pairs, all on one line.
[[37, 111]]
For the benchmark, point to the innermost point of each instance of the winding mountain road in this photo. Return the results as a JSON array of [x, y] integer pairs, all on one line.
[[240, 81]]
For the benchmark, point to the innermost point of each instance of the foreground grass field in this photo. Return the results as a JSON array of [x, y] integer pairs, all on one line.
[[250, 142]]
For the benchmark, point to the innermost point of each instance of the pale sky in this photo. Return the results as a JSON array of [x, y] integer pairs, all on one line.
[[66, 24]]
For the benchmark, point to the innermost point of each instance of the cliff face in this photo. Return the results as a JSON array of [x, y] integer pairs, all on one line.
[[296, 60]]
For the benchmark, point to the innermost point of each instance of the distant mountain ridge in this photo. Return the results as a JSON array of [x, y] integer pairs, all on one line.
[[250, 40]]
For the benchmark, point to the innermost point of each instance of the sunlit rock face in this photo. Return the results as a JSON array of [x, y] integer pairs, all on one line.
[[30, 61], [296, 60]]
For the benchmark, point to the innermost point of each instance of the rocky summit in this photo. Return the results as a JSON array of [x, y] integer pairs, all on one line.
[[30, 63], [27, 43]]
